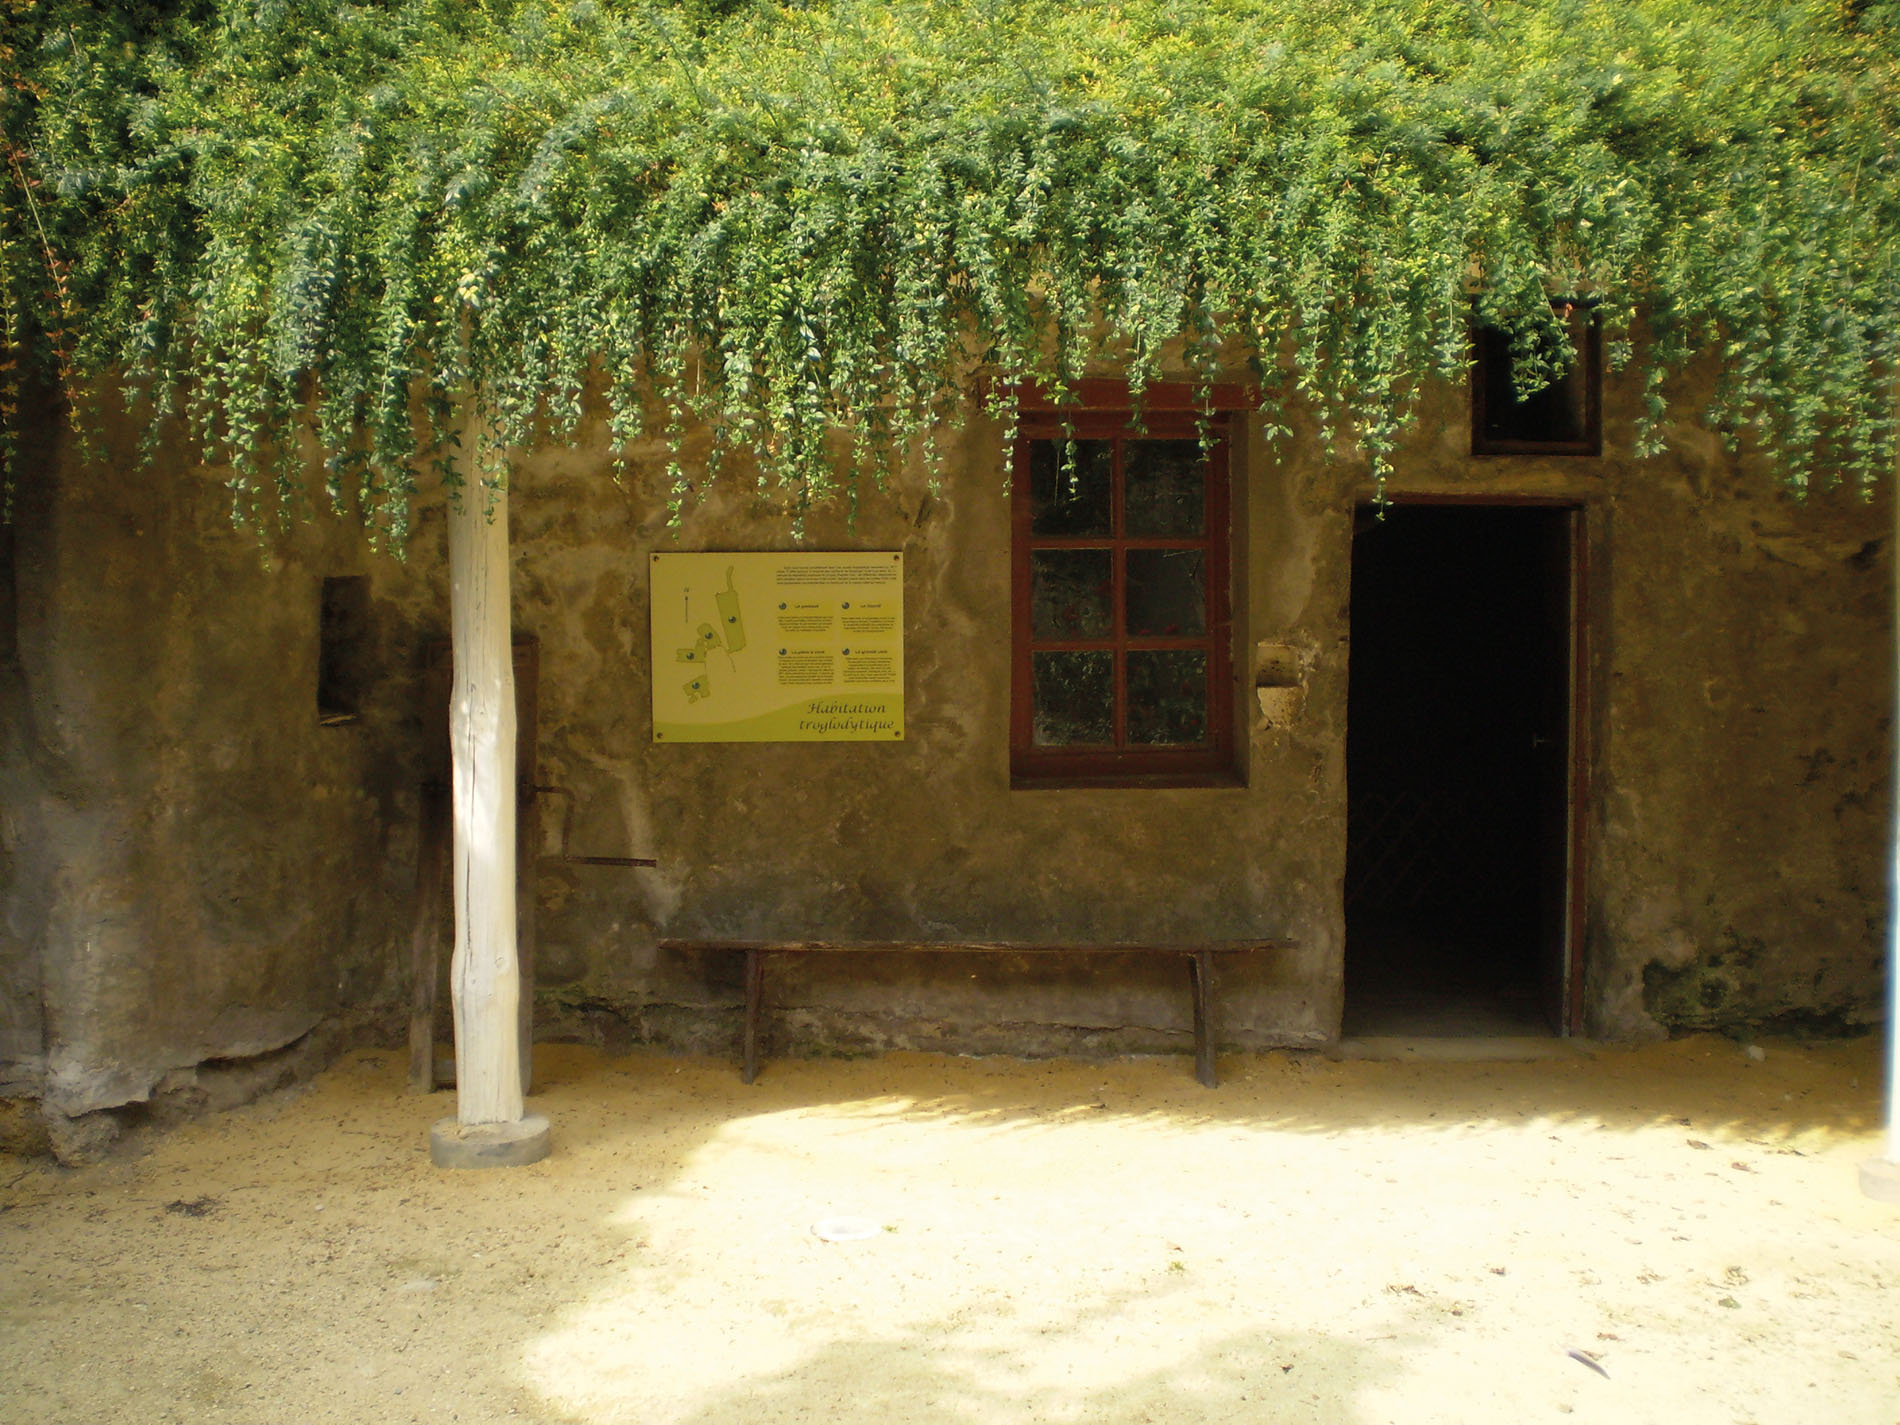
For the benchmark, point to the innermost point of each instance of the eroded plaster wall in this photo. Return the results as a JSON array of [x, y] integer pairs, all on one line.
[[923, 839], [22, 1020], [1739, 655], [1737, 648], [1746, 775], [206, 880], [200, 874]]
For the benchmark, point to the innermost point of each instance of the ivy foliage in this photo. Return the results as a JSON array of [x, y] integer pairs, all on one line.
[[818, 222]]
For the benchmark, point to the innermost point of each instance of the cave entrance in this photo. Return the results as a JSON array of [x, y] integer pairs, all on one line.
[[1462, 863]]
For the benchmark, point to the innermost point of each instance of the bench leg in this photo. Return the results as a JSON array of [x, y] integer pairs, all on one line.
[[1201, 976], [754, 992]]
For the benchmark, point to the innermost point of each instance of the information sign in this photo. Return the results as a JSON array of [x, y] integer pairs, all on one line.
[[774, 647]]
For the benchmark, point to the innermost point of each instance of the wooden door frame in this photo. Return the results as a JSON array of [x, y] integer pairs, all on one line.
[[1578, 520]]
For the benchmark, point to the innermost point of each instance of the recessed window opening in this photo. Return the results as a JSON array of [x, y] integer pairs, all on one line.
[[343, 649], [1562, 418]]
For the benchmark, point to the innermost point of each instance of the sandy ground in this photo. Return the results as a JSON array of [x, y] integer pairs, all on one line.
[[1317, 1240]]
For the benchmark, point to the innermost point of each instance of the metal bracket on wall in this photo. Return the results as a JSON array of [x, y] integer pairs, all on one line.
[[567, 827]]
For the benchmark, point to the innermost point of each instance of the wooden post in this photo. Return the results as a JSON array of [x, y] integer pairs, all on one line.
[[489, 1128], [528, 839], [1201, 982], [527, 669], [1880, 1177], [432, 851]]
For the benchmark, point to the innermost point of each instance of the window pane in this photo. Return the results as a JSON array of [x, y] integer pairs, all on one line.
[[1167, 592], [1164, 487], [1075, 698], [1167, 697], [1074, 500], [1071, 593]]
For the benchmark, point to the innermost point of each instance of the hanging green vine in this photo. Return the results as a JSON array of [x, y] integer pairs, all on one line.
[[793, 220]]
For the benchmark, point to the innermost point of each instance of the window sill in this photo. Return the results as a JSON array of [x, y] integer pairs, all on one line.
[[1075, 781], [1481, 449]]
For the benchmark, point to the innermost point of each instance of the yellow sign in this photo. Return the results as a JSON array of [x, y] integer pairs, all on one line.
[[778, 647]]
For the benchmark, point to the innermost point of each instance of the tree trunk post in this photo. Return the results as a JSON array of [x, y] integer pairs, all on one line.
[[489, 1129]]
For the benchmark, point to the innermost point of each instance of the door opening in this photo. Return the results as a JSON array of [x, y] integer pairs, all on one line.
[[1461, 853]]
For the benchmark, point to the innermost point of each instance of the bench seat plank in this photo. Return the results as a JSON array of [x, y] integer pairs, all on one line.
[[980, 947], [1200, 957]]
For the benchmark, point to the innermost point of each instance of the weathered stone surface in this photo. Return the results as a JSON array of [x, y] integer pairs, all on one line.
[[1747, 754], [25, 870], [1739, 645], [197, 870]]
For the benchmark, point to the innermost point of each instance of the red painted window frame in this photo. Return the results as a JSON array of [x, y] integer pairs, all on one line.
[[1208, 764]]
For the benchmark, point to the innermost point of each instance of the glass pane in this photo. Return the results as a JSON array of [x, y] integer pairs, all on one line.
[[1074, 500], [1164, 485], [1071, 593], [1167, 697], [1167, 592], [1075, 698]]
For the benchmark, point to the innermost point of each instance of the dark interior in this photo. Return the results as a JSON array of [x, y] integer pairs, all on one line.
[[1456, 765], [1557, 414], [1564, 417], [342, 648]]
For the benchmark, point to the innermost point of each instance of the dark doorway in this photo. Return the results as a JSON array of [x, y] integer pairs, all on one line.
[[1458, 755]]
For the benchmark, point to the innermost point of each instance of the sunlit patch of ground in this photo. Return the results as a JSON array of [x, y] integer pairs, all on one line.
[[1340, 1242]]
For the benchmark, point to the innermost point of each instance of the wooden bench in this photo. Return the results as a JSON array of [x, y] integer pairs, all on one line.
[[1200, 957]]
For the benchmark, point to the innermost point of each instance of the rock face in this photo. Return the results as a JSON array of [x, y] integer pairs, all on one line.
[[198, 872], [213, 748]]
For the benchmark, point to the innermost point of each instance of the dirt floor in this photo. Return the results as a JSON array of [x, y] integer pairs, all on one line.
[[1345, 1242]]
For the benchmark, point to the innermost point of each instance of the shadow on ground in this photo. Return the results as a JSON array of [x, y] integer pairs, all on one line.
[[1315, 1240]]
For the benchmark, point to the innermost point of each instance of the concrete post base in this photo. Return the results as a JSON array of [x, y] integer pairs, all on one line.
[[1880, 1179], [453, 1144]]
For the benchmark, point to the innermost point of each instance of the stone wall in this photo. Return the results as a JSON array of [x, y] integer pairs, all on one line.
[[200, 872], [1741, 685], [1743, 795], [924, 838], [205, 883]]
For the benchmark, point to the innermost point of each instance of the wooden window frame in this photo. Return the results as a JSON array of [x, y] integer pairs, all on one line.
[[1587, 337], [1206, 764]]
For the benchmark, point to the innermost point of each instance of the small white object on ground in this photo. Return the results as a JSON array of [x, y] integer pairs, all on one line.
[[844, 1229], [1755, 1052]]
